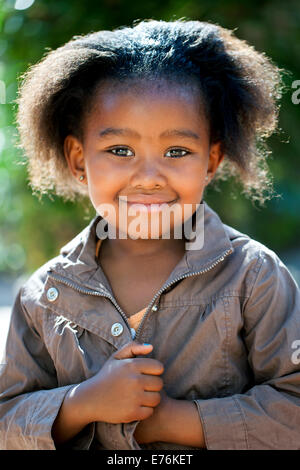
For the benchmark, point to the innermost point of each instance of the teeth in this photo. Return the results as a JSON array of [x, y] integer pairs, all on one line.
[[123, 198]]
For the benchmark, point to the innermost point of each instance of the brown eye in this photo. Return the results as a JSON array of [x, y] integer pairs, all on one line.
[[178, 150], [123, 151]]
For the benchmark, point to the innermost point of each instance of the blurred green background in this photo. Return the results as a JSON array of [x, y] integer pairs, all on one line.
[[32, 231]]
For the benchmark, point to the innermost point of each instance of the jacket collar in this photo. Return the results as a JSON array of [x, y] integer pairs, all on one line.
[[77, 260]]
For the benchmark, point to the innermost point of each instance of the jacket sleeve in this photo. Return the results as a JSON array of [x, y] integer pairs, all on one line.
[[29, 394], [266, 416]]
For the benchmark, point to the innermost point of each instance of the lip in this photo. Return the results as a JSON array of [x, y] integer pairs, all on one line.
[[144, 199]]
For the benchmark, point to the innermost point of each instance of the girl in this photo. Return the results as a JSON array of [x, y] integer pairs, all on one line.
[[135, 342]]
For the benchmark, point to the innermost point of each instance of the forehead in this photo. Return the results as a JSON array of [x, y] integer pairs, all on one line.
[[142, 100], [153, 88]]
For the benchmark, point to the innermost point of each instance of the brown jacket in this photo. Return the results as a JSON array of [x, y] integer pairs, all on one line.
[[226, 326]]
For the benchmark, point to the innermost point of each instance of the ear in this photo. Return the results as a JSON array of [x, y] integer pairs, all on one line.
[[216, 156], [73, 152]]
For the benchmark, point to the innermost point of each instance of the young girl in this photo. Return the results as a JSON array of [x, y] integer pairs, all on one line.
[[135, 342]]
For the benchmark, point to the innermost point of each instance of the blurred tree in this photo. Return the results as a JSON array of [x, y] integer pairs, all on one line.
[[33, 231]]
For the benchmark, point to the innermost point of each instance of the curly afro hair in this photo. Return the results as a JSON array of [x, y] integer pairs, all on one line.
[[240, 87]]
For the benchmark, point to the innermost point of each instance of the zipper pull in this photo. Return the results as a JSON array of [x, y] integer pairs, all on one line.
[[133, 333]]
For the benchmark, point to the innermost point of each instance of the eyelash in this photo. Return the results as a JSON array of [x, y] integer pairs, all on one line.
[[126, 148]]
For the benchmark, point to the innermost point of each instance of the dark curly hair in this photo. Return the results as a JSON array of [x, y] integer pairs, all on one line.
[[240, 88]]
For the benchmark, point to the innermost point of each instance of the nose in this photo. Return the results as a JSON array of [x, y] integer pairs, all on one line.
[[148, 176]]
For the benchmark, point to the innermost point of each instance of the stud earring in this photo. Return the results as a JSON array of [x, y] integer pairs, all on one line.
[[81, 177]]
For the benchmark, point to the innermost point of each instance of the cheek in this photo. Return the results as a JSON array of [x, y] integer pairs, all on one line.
[[191, 184], [103, 180], [104, 183]]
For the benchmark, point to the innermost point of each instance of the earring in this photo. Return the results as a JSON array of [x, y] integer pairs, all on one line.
[[206, 178], [81, 177]]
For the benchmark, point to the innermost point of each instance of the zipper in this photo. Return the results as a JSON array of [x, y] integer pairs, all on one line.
[[226, 253], [87, 291]]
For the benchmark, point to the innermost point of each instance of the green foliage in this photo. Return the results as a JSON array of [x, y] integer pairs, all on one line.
[[32, 231]]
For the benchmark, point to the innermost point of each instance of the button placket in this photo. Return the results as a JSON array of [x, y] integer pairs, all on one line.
[[145, 332]]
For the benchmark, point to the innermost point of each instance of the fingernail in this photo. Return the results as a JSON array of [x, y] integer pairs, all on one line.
[[147, 344]]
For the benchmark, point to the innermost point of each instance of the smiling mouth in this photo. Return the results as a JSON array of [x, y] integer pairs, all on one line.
[[145, 199], [148, 206]]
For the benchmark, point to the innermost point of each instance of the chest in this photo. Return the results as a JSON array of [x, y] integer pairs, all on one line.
[[196, 336], [134, 285]]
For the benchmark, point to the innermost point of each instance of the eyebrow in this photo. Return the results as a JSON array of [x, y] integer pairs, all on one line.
[[115, 131]]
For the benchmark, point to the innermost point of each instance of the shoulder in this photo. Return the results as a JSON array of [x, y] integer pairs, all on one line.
[[33, 288], [67, 262], [246, 253], [271, 291], [251, 251], [261, 271], [270, 279]]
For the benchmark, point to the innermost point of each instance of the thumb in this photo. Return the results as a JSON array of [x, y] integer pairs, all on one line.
[[132, 349]]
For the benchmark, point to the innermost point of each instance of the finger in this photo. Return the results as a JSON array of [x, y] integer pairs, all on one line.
[[151, 399], [132, 349], [152, 383], [149, 366], [145, 412]]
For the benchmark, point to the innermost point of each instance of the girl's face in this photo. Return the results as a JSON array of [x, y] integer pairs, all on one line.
[[149, 144]]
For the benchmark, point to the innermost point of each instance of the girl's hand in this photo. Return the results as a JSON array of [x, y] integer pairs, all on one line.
[[123, 390], [148, 430]]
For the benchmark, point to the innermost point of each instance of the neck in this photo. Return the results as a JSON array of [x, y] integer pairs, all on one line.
[[128, 247]]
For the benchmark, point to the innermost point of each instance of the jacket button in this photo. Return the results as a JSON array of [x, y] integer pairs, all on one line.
[[52, 294], [154, 308], [117, 329]]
